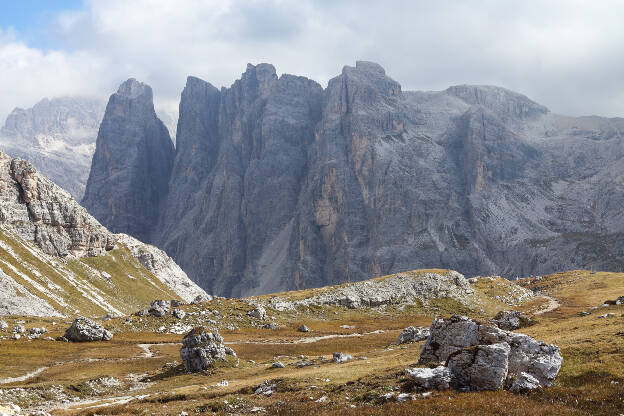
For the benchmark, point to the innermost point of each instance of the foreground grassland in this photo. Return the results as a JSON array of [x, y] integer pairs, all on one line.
[[148, 379]]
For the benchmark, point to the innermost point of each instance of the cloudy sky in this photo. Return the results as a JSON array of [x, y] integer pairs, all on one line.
[[567, 55]]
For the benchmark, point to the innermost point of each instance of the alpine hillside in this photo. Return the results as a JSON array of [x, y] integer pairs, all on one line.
[[57, 260]]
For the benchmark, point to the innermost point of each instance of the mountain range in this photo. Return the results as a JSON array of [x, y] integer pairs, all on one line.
[[277, 183]]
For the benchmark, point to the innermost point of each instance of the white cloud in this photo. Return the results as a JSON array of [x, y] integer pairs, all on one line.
[[565, 54]]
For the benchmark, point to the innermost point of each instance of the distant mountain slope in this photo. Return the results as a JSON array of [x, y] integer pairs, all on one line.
[[280, 184], [58, 136], [55, 259]]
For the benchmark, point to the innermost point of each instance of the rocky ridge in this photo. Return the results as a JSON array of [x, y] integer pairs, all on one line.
[[367, 179], [55, 259], [420, 287]]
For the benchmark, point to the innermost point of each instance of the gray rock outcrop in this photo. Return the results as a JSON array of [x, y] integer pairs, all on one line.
[[159, 308], [438, 378], [483, 367], [131, 164], [257, 312], [339, 357], [201, 349], [511, 320], [401, 288], [38, 210], [413, 334], [484, 357], [85, 330]]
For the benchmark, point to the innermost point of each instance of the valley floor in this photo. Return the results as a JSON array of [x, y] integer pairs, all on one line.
[[138, 372]]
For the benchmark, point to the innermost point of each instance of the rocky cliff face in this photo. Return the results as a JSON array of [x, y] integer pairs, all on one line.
[[55, 259], [58, 137], [131, 165], [39, 211], [279, 184]]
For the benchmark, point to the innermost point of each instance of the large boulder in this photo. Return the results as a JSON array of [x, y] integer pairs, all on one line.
[[511, 320], [483, 367], [258, 312], [159, 308], [438, 378], [85, 330], [485, 357], [201, 349], [413, 334]]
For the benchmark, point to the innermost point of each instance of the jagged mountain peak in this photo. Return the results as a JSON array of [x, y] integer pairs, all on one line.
[[132, 89], [280, 184], [133, 149]]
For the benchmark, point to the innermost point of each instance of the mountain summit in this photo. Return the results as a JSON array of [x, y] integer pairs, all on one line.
[[280, 184], [131, 164]]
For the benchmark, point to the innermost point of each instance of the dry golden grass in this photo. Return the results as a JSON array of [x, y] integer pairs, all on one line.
[[591, 380]]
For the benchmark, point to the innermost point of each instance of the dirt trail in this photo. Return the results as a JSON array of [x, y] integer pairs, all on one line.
[[550, 306], [306, 340], [22, 378], [147, 352]]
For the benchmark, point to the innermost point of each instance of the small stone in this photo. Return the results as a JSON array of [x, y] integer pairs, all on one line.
[[606, 315], [178, 313], [159, 308], [176, 303], [339, 357], [19, 329], [303, 328], [3, 325], [277, 364], [267, 388], [258, 312], [412, 334], [202, 298], [271, 326], [511, 320], [402, 397]]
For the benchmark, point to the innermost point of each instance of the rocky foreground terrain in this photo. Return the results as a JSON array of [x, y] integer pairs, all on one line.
[[57, 260], [331, 351], [279, 184]]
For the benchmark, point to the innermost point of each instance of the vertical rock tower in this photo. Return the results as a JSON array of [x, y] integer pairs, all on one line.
[[131, 165]]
